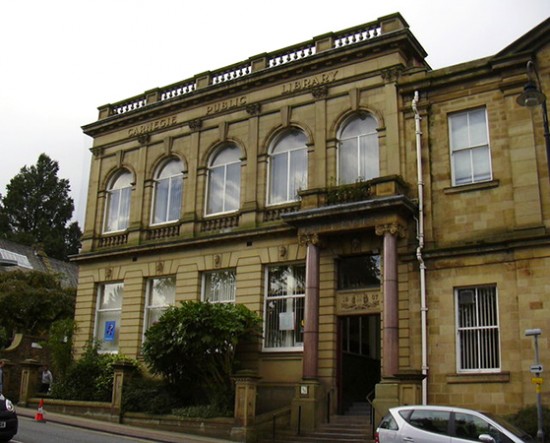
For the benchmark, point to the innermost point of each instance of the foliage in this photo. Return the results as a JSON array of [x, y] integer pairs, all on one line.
[[152, 396], [37, 209], [31, 301], [202, 411], [60, 345], [90, 378], [526, 419], [353, 192], [196, 343]]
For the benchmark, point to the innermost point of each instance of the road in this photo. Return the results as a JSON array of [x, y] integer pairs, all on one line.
[[31, 431]]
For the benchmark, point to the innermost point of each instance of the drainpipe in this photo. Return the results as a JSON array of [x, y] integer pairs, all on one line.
[[420, 238]]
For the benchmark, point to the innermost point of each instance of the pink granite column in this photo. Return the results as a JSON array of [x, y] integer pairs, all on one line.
[[390, 318], [311, 315]]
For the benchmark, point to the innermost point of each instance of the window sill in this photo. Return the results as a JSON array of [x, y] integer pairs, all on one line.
[[472, 187], [497, 377]]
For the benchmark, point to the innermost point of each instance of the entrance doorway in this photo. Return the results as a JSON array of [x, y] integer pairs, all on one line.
[[359, 358]]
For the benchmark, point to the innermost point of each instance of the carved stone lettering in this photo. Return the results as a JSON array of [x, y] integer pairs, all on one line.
[[309, 83], [153, 126]]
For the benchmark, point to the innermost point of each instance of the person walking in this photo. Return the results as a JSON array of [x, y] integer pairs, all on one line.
[[46, 380]]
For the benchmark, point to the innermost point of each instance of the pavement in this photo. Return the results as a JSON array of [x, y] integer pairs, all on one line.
[[115, 428]]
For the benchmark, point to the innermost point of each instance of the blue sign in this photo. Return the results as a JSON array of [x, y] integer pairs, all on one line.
[[110, 328]]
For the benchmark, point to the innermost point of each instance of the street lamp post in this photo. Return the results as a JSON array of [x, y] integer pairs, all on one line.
[[531, 97], [536, 369]]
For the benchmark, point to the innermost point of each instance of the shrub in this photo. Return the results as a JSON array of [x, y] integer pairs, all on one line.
[[151, 396], [89, 378], [195, 345], [526, 419]]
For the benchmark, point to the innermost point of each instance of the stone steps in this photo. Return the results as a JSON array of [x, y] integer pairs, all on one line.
[[354, 427]]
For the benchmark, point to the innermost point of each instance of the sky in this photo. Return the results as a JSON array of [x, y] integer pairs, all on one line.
[[62, 59]]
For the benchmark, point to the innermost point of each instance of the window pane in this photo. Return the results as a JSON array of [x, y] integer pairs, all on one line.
[[478, 127], [161, 201], [286, 280], [481, 164], [298, 173], [278, 179], [224, 181], [161, 293], [359, 155], [284, 307], [347, 161], [215, 190], [219, 286], [233, 187], [430, 421], [359, 272], [111, 296], [109, 303], [176, 194], [462, 167], [478, 330], [288, 167], [369, 161], [459, 131]]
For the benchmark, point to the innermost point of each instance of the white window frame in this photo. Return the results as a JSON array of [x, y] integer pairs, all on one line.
[[475, 330], [360, 160], [224, 194], [170, 205], [288, 324], [119, 192], [225, 294], [112, 314], [471, 149], [150, 305], [291, 186]]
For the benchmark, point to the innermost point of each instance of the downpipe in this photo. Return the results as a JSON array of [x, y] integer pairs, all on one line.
[[420, 247]]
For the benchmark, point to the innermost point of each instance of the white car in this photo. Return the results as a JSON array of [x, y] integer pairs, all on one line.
[[444, 424]]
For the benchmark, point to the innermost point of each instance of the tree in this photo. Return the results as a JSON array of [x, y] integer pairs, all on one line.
[[196, 342], [31, 301], [37, 209]]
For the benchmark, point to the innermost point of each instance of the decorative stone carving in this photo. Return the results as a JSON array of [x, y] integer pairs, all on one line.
[[358, 301], [108, 273], [217, 260], [392, 74], [253, 108], [320, 92], [159, 267], [195, 125], [308, 238], [391, 228], [283, 251], [143, 139]]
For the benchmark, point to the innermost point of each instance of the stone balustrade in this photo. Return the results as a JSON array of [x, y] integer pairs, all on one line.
[[331, 41]]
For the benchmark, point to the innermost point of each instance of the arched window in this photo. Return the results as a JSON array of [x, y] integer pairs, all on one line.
[[287, 167], [168, 192], [118, 202], [224, 180], [358, 153]]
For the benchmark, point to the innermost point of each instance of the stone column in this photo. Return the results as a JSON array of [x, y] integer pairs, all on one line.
[[244, 414], [122, 370], [311, 317], [29, 380], [390, 329]]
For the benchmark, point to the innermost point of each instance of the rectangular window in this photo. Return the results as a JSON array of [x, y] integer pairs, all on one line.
[[359, 272], [160, 293], [284, 308], [108, 308], [478, 336], [470, 152], [219, 286]]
